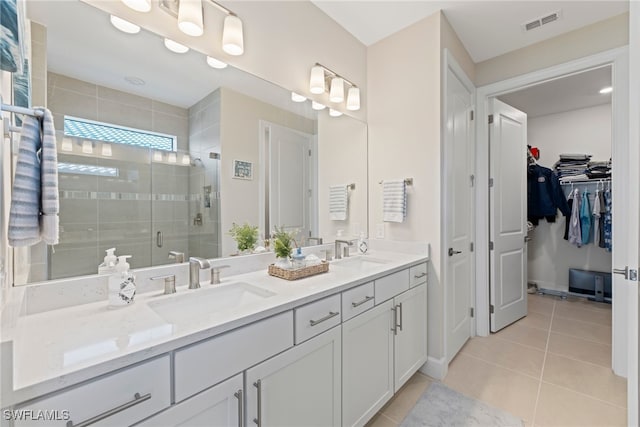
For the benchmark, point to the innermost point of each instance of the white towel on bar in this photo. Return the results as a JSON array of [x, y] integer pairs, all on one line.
[[394, 201], [338, 202], [34, 197]]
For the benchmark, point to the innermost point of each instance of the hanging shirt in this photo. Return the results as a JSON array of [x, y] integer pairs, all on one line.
[[544, 195], [575, 235], [568, 218], [608, 238], [585, 218], [596, 218], [603, 210]]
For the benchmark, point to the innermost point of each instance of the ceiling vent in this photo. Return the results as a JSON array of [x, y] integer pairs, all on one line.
[[543, 20]]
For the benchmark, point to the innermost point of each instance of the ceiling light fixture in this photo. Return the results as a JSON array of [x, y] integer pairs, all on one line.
[[334, 113], [606, 90], [106, 150], [175, 46], [295, 97], [216, 63], [190, 17], [317, 106], [124, 25], [320, 75], [138, 5]]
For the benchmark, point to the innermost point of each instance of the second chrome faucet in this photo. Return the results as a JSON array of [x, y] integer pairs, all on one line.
[[195, 265]]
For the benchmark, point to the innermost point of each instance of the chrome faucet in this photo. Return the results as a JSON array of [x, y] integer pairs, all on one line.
[[318, 240], [195, 265], [178, 256], [215, 273], [338, 255], [169, 283]]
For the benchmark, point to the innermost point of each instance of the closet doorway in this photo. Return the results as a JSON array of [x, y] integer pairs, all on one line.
[[550, 257]]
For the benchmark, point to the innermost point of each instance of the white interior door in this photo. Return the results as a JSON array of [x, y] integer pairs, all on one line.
[[458, 211], [289, 176], [508, 214]]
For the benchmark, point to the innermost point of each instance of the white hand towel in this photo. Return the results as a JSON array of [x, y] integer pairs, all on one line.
[[394, 201], [338, 200]]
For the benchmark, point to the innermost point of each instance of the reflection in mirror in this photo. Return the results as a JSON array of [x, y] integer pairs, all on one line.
[[160, 152]]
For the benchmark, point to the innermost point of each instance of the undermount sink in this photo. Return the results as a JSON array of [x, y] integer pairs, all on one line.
[[194, 305], [362, 262]]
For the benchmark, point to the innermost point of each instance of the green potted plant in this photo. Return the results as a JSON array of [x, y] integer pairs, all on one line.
[[282, 246], [246, 236]]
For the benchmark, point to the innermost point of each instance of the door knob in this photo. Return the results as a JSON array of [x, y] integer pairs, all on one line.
[[452, 252]]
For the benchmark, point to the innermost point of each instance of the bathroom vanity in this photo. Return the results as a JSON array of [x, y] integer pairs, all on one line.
[[256, 350]]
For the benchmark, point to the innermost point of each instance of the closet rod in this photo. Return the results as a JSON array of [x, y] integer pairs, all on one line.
[[587, 181]]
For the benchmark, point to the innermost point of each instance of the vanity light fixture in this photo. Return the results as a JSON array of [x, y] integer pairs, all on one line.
[[296, 97], [321, 75], [157, 156], [106, 150], [606, 90], [87, 147], [67, 144], [186, 160], [138, 5], [175, 46], [124, 25], [216, 63], [190, 17], [172, 158], [232, 37], [334, 113], [317, 106]]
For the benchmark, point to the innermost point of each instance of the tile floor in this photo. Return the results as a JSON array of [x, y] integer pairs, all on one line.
[[551, 368]]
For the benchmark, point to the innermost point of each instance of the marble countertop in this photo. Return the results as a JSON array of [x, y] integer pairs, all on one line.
[[58, 348]]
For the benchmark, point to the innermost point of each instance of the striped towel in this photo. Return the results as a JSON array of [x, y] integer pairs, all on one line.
[[394, 201], [34, 203], [338, 199]]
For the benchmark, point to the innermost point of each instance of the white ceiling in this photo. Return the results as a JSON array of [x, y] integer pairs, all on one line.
[[486, 28]]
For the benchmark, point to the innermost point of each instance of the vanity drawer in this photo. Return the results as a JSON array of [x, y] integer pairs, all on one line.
[[389, 286], [418, 274], [119, 399], [207, 363], [317, 317], [357, 300]]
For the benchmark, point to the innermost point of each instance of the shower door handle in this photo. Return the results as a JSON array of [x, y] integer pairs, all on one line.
[[159, 239]]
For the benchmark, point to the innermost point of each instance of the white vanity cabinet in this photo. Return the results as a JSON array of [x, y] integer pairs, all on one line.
[[410, 349], [300, 387], [222, 405]]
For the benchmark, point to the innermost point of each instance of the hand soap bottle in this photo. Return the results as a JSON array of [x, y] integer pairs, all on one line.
[[122, 287], [298, 259], [363, 245], [108, 266]]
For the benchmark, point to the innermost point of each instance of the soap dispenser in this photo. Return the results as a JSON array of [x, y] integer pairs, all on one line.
[[108, 266], [122, 287], [363, 244], [298, 259]]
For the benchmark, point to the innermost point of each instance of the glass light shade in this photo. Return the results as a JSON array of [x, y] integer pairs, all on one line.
[[138, 5], [124, 25], [157, 156], [172, 158], [296, 97], [106, 150], [186, 160], [175, 46], [334, 113], [316, 81], [216, 63], [67, 144], [317, 106], [606, 90], [337, 90], [353, 99], [232, 38], [87, 147], [190, 17]]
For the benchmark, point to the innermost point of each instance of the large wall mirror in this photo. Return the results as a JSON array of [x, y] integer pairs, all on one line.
[[160, 152]]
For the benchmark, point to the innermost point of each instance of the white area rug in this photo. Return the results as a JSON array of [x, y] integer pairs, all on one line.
[[439, 406]]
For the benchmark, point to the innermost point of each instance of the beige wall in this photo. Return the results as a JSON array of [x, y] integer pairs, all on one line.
[[449, 40], [601, 36], [283, 40], [239, 137], [342, 156], [404, 142]]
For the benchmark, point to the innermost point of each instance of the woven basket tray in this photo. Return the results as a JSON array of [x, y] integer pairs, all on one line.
[[299, 273]]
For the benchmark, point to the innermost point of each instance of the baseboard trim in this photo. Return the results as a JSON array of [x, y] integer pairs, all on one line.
[[435, 368]]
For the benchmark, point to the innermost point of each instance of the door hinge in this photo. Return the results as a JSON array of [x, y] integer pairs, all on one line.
[[471, 247], [471, 311], [473, 180], [309, 152], [310, 192], [471, 114], [490, 118], [633, 275], [491, 309], [490, 246], [490, 182]]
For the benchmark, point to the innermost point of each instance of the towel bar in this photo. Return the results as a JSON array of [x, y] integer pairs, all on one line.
[[407, 181]]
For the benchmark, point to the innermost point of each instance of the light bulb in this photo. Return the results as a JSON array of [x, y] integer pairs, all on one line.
[[87, 147], [317, 106], [172, 158], [353, 99], [175, 46], [337, 90], [124, 26], [106, 150], [67, 144], [190, 17], [216, 63], [295, 97], [316, 81], [334, 113], [232, 38], [138, 5]]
